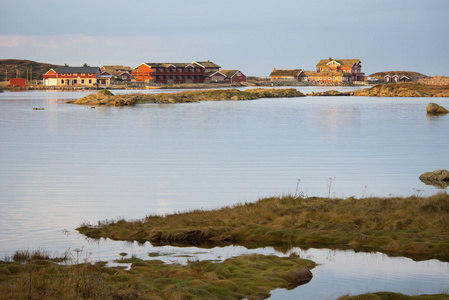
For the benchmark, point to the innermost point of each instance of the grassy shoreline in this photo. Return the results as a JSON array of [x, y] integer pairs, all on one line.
[[243, 277], [415, 227]]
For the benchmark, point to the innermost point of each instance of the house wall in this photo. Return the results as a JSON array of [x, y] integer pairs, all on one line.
[[17, 82], [50, 81], [217, 78], [285, 78], [238, 77]]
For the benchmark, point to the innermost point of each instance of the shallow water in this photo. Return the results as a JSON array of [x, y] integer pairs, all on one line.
[[68, 164]]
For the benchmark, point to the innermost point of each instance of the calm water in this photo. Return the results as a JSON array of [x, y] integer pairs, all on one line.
[[68, 164]]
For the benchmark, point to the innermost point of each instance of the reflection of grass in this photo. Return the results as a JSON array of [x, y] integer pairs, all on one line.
[[394, 296], [414, 226], [251, 277]]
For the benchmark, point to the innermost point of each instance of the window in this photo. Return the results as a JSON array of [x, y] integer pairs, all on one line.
[[62, 81], [82, 81], [90, 81], [75, 74]]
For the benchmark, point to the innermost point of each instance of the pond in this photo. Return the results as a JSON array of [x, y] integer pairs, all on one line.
[[68, 164]]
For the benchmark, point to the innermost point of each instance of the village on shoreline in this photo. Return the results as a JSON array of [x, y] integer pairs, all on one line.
[[29, 75]]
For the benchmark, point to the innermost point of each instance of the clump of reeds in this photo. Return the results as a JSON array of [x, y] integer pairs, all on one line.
[[39, 254]]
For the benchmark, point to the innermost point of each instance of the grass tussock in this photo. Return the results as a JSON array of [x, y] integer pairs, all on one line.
[[413, 226], [40, 254], [250, 277]]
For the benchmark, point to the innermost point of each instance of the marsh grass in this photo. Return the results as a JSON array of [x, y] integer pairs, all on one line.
[[39, 254], [249, 276], [414, 226]]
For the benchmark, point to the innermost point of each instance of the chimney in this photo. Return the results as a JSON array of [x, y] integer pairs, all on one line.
[[330, 58]]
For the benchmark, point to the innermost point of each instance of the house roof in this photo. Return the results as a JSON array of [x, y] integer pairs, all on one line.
[[77, 70], [343, 62], [294, 72], [116, 69], [165, 65], [212, 73], [206, 64], [229, 73]]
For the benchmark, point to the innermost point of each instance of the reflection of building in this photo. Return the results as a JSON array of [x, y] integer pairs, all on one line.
[[72, 76], [348, 66], [169, 73]]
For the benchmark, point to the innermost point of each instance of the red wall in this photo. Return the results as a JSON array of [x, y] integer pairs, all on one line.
[[18, 82]]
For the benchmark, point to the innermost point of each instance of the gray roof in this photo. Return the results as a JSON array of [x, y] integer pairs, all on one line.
[[77, 70]]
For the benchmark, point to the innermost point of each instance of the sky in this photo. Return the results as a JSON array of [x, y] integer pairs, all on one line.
[[252, 36]]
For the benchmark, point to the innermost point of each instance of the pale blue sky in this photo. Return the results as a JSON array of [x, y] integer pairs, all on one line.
[[253, 36]]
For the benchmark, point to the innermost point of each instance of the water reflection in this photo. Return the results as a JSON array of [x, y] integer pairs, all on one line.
[[68, 164], [338, 272]]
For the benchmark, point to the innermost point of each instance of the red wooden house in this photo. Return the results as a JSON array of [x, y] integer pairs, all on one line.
[[234, 76], [170, 73], [50, 78], [285, 75], [122, 73]]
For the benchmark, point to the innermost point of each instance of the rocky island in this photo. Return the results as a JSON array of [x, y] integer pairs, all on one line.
[[105, 97], [404, 89]]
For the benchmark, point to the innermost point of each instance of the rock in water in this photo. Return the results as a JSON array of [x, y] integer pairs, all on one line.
[[433, 108], [438, 178]]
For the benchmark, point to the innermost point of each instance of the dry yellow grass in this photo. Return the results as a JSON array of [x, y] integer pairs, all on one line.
[[413, 226]]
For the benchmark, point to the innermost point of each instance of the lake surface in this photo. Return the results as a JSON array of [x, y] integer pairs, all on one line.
[[68, 164]]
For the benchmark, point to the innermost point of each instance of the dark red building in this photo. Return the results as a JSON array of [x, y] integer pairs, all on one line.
[[170, 73], [17, 82]]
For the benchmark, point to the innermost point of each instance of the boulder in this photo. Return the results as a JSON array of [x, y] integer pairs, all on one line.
[[298, 277], [433, 108], [438, 178]]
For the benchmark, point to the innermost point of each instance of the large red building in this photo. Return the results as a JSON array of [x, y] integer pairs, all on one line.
[[350, 66], [170, 73]]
